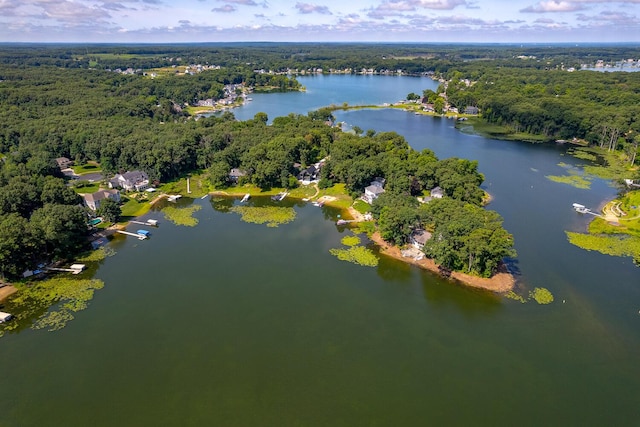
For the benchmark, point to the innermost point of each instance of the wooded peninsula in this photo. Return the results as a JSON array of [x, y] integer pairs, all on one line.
[[130, 108]]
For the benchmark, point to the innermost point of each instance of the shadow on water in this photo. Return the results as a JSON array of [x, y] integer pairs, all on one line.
[[391, 269], [472, 302]]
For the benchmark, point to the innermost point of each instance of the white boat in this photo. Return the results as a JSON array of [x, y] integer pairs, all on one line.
[[279, 197], [4, 317], [174, 197], [245, 198]]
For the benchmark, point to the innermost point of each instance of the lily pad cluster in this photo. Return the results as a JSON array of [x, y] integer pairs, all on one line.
[[182, 215], [355, 253], [272, 216]]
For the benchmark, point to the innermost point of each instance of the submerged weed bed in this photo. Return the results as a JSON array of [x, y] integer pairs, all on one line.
[[182, 215], [50, 304], [355, 253], [576, 181], [272, 216]]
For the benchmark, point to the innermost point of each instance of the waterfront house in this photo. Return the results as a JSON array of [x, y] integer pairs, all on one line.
[[471, 110], [309, 174], [418, 238], [93, 200], [235, 174], [130, 181], [372, 192]]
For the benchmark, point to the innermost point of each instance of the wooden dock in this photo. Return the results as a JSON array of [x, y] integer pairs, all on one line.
[[584, 210], [138, 236], [151, 222]]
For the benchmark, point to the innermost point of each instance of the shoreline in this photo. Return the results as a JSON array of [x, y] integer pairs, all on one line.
[[7, 291], [501, 282]]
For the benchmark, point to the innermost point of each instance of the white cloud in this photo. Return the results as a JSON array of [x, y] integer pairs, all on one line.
[[571, 5], [554, 6], [307, 8], [227, 8]]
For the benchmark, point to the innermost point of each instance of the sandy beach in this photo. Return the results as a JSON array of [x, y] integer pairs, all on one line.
[[503, 281], [6, 291]]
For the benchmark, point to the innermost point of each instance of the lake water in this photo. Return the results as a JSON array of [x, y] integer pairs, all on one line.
[[237, 324]]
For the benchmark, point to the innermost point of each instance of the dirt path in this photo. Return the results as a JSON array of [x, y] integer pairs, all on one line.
[[501, 282]]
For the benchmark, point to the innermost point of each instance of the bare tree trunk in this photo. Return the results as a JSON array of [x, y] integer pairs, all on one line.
[[603, 136], [613, 139]]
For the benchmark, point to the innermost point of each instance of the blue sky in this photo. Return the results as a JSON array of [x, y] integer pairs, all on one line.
[[161, 21]]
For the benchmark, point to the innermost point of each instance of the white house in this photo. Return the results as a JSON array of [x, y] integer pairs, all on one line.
[[418, 238], [437, 193], [93, 200], [129, 181], [371, 193]]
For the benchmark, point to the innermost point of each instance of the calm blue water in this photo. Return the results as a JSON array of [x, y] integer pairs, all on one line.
[[237, 324], [322, 91]]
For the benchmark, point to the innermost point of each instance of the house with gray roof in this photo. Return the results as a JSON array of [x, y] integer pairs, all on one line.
[[93, 200], [130, 181]]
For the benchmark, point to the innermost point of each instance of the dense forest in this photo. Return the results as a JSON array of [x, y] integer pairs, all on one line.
[[600, 108], [70, 101]]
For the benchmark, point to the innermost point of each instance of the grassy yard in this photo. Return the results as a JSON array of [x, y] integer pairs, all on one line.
[[132, 208], [87, 189], [197, 184], [361, 206], [339, 192], [89, 167]]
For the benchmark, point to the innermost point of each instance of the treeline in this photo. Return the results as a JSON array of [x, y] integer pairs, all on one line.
[[118, 120], [600, 108], [413, 58]]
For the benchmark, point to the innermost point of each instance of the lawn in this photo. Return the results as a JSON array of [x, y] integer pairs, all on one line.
[[343, 200], [361, 206], [197, 184], [87, 189], [89, 167], [132, 208]]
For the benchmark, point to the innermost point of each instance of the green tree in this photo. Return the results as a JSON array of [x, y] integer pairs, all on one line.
[[17, 245], [109, 210], [413, 97], [61, 228]]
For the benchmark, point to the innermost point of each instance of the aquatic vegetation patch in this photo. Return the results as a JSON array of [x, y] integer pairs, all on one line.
[[614, 245], [581, 154], [576, 181], [272, 216], [517, 297], [98, 255], [541, 295], [71, 295], [357, 255], [182, 215], [350, 240], [366, 227]]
